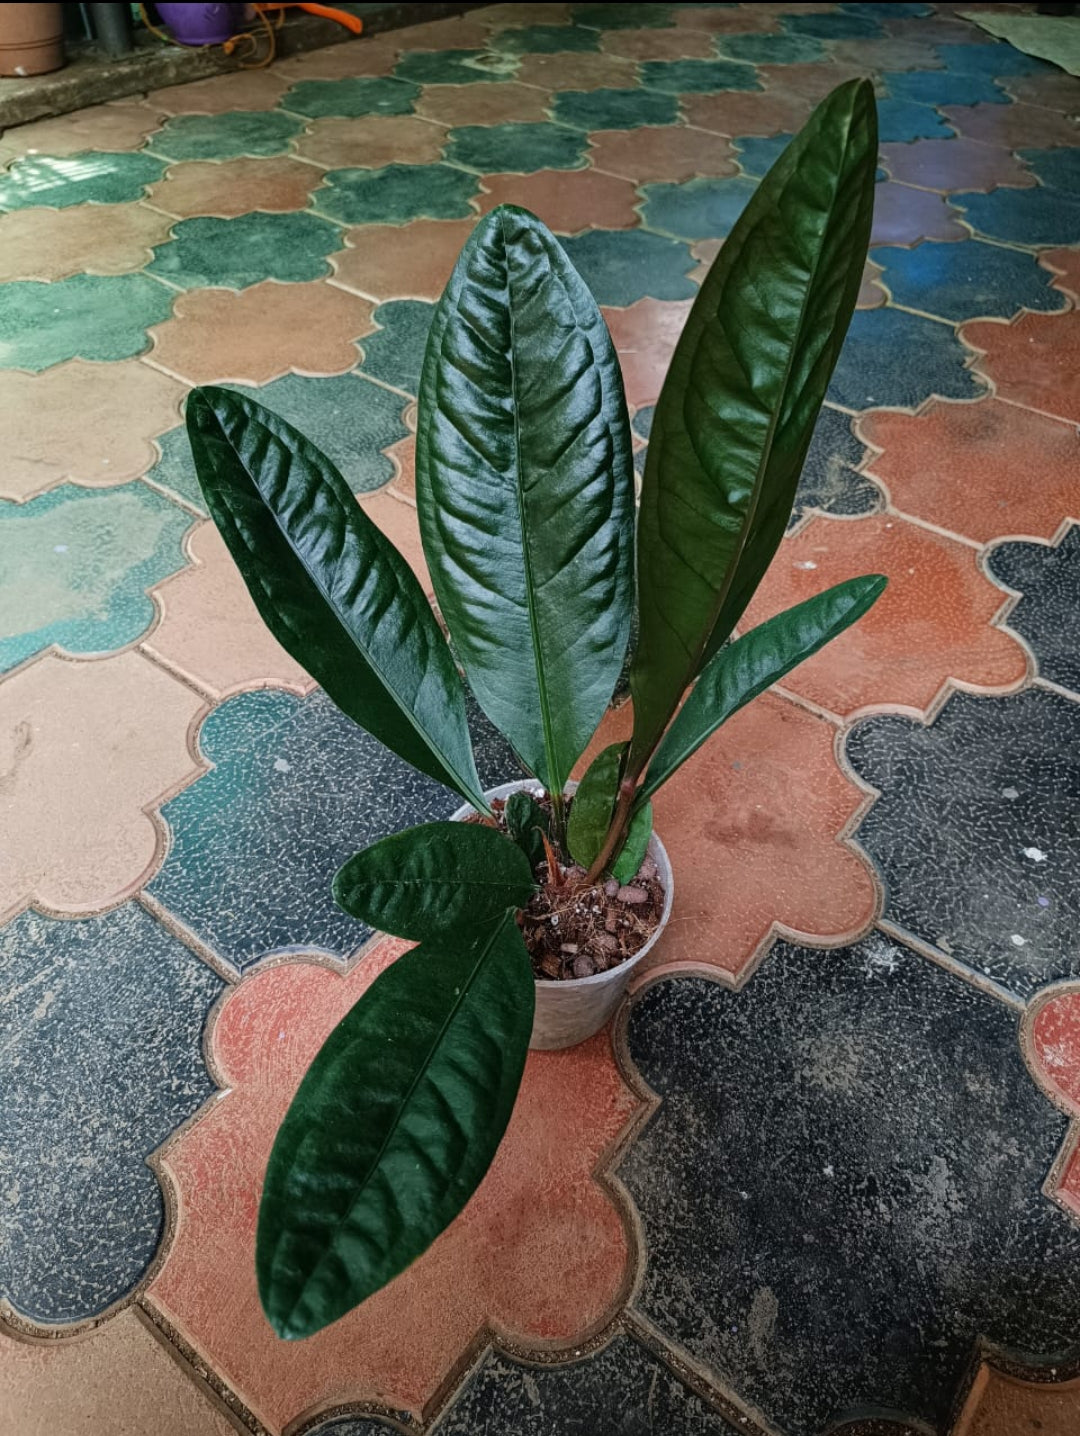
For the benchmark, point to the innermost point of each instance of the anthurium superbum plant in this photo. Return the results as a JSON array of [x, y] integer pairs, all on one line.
[[539, 558]]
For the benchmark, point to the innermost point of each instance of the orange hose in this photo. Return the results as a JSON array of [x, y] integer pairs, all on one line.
[[327, 11]]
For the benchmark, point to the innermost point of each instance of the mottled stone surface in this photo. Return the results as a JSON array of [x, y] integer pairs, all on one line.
[[1048, 581]]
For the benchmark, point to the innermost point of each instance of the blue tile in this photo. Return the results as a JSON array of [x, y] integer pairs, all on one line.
[[101, 1061], [757, 156], [395, 353], [897, 359], [966, 280], [1057, 169], [842, 25], [1047, 614], [295, 789], [697, 208], [1023, 216], [621, 266], [900, 121], [943, 87], [995, 58]]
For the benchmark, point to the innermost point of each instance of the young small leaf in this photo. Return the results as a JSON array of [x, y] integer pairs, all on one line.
[[626, 865], [594, 802], [527, 824]]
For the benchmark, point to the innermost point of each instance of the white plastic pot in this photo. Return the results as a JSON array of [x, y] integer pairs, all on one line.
[[567, 1012]]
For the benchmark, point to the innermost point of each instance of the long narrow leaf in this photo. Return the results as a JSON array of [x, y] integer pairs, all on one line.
[[331, 588]]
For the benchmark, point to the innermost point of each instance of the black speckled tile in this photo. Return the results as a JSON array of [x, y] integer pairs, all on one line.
[[1048, 612], [976, 831], [841, 1189], [100, 1061]]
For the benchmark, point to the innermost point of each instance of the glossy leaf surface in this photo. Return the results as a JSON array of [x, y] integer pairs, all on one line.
[[394, 1125], [626, 865], [738, 406], [526, 823], [753, 663], [332, 590], [524, 485], [594, 801]]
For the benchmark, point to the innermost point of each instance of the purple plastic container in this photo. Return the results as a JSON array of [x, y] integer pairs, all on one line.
[[201, 24]]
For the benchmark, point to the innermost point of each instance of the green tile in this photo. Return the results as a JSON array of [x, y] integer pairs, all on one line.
[[454, 67], [517, 149], [614, 109], [83, 317], [396, 194], [351, 98], [235, 253], [88, 178], [698, 209], [395, 354], [621, 266], [75, 566], [772, 49], [698, 77], [227, 136], [623, 17], [174, 472], [545, 40]]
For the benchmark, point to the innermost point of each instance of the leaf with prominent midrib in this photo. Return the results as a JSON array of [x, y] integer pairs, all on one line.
[[524, 487], [331, 589], [738, 406], [394, 1125]]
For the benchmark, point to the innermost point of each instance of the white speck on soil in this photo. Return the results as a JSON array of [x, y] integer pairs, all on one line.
[[1017, 940], [1035, 854], [1010, 793]]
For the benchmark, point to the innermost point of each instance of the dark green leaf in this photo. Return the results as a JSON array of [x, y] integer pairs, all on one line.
[[524, 486], [593, 805], [740, 400], [434, 877], [394, 1125], [526, 823], [632, 856], [752, 663], [332, 590]]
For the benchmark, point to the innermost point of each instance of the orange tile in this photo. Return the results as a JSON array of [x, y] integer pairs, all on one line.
[[79, 802], [1034, 361], [932, 623], [454, 32], [1051, 91], [905, 216], [1001, 1406], [752, 113], [811, 82], [85, 239], [396, 517], [933, 461], [250, 336], [955, 165], [568, 201], [118, 1378], [403, 456], [540, 1253], [886, 54], [497, 16], [411, 261], [121, 126], [577, 72], [673, 152], [372, 141], [1053, 1048], [374, 55], [241, 90], [1015, 127], [645, 336], [483, 104], [677, 44], [705, 251], [89, 424], [725, 21], [1065, 263], [204, 187], [871, 294]]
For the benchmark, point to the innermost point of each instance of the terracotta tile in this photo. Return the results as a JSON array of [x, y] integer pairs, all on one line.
[[89, 424], [411, 261], [79, 803], [482, 104], [673, 153], [723, 20], [496, 16], [236, 187], [372, 141], [1054, 90], [104, 127], [888, 55], [677, 44], [89, 239], [1001, 1406], [808, 82], [645, 336], [376, 55], [577, 72], [1065, 263], [933, 622], [397, 519], [118, 1378], [903, 215], [871, 294], [251, 336], [1015, 127], [567, 202], [769, 112], [1034, 361], [210, 632], [540, 1253], [454, 32], [1053, 1027], [929, 460], [403, 455], [957, 164], [241, 90]]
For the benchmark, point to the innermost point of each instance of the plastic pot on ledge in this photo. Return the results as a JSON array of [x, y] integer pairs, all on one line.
[[31, 39]]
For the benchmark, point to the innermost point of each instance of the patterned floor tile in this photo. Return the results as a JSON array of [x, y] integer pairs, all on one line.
[[226, 189], [1035, 217], [810, 83], [876, 367], [733, 19], [351, 98], [236, 253], [497, 1265], [678, 43], [295, 789], [52, 244], [839, 26], [516, 149], [622, 17], [1051, 90], [1001, 1406], [994, 59], [956, 164], [242, 90], [253, 335], [624, 265], [454, 67], [173, 470], [905, 1148], [757, 156], [373, 55], [113, 127], [483, 104], [772, 49], [1048, 580], [88, 424], [1064, 264], [1031, 363], [972, 835], [677, 153], [830, 481], [696, 209], [454, 32], [87, 178], [372, 141], [645, 336], [962, 281], [901, 121], [76, 565], [412, 261], [84, 1213], [83, 317], [771, 112], [396, 194], [943, 87], [543, 40], [611, 109], [1057, 169], [931, 460], [229, 136], [567, 202], [522, 12], [80, 808], [698, 77], [1013, 127], [394, 353], [577, 72], [891, 53]]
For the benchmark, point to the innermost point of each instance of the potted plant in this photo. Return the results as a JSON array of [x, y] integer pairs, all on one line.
[[526, 507]]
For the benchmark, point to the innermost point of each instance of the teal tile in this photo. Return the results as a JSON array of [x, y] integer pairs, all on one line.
[[454, 67], [235, 253], [758, 155], [698, 209], [943, 87], [621, 266], [516, 149], [772, 49], [351, 98], [698, 77], [396, 194], [614, 109], [545, 40], [395, 353], [174, 472], [836, 26], [623, 17], [75, 565], [227, 136], [88, 178], [901, 121], [83, 317]]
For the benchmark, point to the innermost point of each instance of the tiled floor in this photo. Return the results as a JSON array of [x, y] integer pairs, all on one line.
[[824, 1173]]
